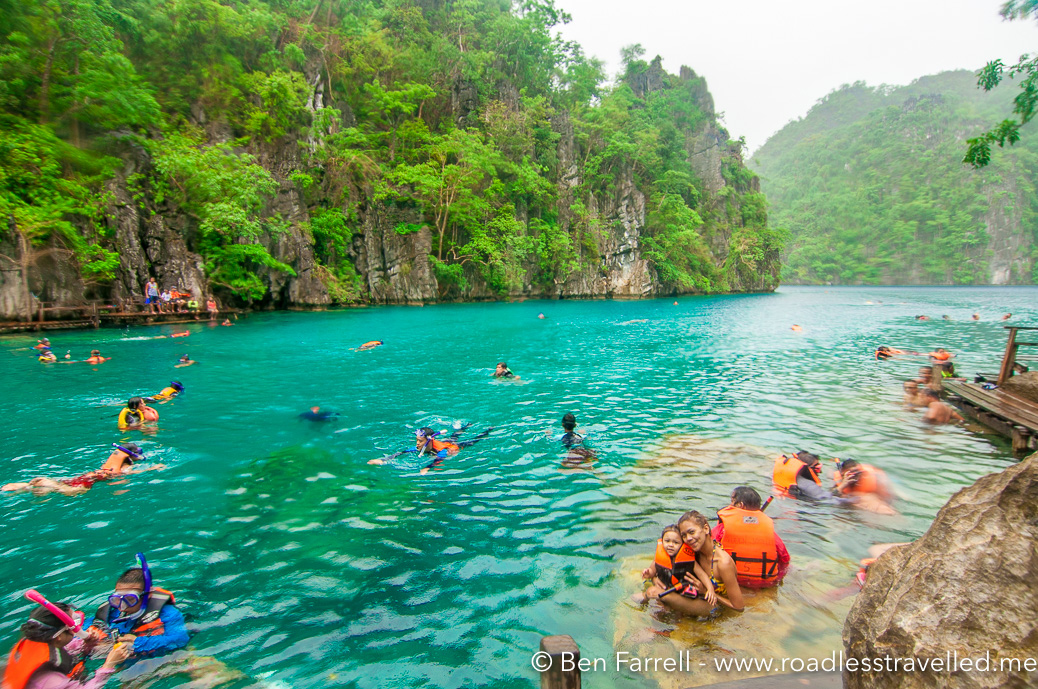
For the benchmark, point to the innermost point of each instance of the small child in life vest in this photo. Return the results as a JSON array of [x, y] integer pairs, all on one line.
[[672, 561]]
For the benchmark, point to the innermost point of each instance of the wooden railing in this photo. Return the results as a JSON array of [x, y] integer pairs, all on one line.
[[1009, 359]]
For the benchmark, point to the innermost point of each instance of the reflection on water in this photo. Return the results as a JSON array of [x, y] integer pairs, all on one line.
[[299, 564]]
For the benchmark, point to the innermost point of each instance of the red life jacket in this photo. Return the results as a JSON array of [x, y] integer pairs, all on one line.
[[451, 448], [29, 656], [749, 537]]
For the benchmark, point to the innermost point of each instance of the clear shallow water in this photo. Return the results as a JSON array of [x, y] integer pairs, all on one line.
[[297, 562]]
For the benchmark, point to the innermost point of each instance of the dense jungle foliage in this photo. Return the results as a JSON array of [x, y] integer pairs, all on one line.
[[450, 107], [872, 186]]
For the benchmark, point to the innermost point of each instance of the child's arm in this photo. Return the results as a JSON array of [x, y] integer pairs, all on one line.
[[649, 572], [707, 585]]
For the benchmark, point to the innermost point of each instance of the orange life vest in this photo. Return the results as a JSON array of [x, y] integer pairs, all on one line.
[[664, 565], [784, 474], [941, 356], [149, 624], [29, 656], [749, 537], [373, 343], [868, 481], [116, 461], [451, 448], [96, 360]]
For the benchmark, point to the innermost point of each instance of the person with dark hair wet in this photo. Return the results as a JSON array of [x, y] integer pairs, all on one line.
[[937, 412], [426, 441], [141, 613], [45, 655], [577, 452], [798, 476], [315, 414], [502, 371], [174, 388], [866, 486], [749, 536]]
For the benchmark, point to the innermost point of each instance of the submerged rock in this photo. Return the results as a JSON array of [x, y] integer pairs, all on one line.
[[966, 588]]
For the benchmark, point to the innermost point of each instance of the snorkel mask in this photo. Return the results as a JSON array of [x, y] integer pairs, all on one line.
[[175, 384], [134, 455], [421, 435], [73, 622], [147, 579]]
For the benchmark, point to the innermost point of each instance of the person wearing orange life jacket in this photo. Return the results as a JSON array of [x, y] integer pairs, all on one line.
[[143, 613], [864, 485], [748, 535], [120, 462], [425, 441], [670, 564], [798, 475], [44, 657]]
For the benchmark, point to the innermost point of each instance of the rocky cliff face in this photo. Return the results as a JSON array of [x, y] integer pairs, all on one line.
[[966, 587], [158, 239]]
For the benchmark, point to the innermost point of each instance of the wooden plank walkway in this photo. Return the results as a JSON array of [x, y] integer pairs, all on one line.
[[1009, 414]]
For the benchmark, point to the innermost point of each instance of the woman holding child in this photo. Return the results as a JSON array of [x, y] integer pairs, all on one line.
[[713, 581]]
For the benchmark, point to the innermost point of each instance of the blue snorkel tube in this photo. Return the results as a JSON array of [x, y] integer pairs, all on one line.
[[147, 579]]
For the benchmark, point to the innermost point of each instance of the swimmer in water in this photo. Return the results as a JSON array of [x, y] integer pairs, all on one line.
[[976, 316], [96, 358], [42, 344], [922, 318], [937, 412], [864, 485], [315, 414], [577, 452], [227, 321], [1007, 316], [541, 316], [185, 361], [47, 357], [132, 416], [439, 450], [167, 393], [796, 328], [502, 371], [119, 463], [370, 345]]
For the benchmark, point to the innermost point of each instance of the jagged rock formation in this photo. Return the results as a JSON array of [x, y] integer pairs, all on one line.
[[966, 587]]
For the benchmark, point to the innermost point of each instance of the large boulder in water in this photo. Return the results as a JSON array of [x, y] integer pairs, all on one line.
[[967, 587], [1024, 385]]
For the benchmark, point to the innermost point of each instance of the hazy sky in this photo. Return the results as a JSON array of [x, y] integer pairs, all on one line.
[[768, 62]]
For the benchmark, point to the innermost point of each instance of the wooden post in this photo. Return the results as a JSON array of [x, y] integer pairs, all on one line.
[[558, 652], [1008, 359], [1021, 439]]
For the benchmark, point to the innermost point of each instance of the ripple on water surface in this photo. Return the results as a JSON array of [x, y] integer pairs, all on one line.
[[299, 564]]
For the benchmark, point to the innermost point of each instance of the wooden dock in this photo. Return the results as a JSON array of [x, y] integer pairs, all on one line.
[[1012, 415], [106, 315]]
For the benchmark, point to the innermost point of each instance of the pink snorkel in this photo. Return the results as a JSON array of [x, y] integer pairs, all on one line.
[[75, 625]]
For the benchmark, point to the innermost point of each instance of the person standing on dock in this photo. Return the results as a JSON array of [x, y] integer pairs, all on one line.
[[151, 290]]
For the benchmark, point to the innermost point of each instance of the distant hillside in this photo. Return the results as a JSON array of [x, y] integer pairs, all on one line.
[[871, 187]]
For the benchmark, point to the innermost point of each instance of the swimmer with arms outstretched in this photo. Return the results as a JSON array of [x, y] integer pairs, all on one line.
[[439, 450], [119, 463]]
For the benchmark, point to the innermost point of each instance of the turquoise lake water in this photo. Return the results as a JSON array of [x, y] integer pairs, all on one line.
[[298, 564]]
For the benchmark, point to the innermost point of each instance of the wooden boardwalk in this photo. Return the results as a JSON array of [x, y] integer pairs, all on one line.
[[1009, 414], [97, 318]]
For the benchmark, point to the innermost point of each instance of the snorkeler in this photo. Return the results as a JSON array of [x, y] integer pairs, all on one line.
[[42, 344], [45, 657], [47, 357], [370, 345], [146, 612], [119, 463], [315, 414], [185, 361], [175, 388], [96, 358], [425, 441]]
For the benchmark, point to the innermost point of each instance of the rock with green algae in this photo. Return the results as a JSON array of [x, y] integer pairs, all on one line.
[[966, 589]]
